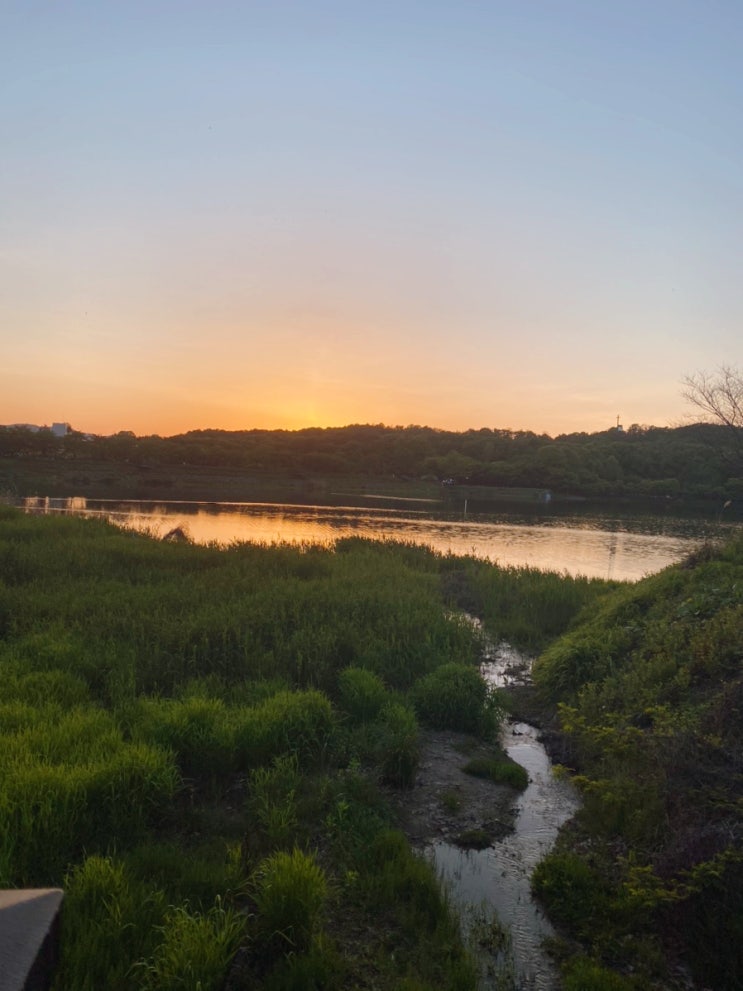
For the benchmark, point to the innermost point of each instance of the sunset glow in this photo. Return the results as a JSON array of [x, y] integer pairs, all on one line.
[[286, 215]]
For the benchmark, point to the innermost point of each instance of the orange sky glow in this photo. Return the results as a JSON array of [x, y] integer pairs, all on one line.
[[280, 216]]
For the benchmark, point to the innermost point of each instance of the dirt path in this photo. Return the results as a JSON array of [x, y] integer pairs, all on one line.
[[447, 804]]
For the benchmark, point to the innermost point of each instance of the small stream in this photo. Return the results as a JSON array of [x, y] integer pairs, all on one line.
[[498, 879]]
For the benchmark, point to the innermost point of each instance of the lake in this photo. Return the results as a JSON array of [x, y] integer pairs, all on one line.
[[597, 544]]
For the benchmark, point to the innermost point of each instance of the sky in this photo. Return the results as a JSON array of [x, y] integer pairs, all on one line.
[[521, 214]]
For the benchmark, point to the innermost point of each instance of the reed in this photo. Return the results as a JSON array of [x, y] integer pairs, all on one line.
[[153, 694], [111, 920], [195, 950], [70, 782], [195, 730], [361, 694], [522, 605], [289, 891], [288, 723], [456, 697], [398, 746], [272, 801]]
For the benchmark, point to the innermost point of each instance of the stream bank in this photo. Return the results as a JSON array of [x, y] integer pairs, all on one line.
[[490, 885]]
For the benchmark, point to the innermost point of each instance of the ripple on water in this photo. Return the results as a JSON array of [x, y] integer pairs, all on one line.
[[498, 879]]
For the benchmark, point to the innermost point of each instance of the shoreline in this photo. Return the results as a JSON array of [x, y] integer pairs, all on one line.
[[22, 477]]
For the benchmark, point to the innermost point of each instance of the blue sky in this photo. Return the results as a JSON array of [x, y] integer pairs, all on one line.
[[503, 214]]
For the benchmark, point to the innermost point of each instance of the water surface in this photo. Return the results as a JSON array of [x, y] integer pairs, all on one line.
[[498, 880], [599, 545]]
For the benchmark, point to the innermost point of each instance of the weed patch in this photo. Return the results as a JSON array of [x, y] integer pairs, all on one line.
[[501, 770]]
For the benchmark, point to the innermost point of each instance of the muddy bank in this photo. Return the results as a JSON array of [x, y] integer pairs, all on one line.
[[490, 881], [447, 804]]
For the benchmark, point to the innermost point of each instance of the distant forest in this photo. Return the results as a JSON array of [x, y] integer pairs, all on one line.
[[699, 460]]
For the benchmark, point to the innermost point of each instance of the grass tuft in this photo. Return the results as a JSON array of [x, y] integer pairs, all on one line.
[[501, 770]]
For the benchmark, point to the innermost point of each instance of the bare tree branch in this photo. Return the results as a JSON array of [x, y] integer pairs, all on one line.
[[719, 396]]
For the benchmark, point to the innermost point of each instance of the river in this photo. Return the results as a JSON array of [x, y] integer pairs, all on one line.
[[599, 545], [497, 881]]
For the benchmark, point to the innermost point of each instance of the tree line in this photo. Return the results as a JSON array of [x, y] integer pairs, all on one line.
[[697, 460]]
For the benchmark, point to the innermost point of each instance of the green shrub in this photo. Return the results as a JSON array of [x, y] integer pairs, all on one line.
[[110, 921], [196, 875], [576, 659], [290, 891], [272, 800], [319, 968], [361, 694], [197, 730], [474, 839], [50, 813], [397, 876], [572, 891], [175, 645], [582, 974], [648, 688], [456, 697], [42, 688], [398, 746], [356, 811], [299, 723], [501, 770], [196, 950]]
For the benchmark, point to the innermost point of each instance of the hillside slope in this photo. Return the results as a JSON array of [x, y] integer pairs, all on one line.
[[648, 881]]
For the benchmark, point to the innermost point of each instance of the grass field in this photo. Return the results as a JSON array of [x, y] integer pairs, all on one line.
[[198, 743], [195, 743]]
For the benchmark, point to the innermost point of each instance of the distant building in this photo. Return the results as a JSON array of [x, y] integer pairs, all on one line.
[[56, 430]]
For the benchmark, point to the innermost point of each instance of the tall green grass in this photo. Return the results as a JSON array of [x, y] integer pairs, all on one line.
[[111, 922], [649, 692], [70, 782], [289, 891], [525, 606], [195, 950], [361, 694], [173, 716], [455, 696], [272, 801]]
